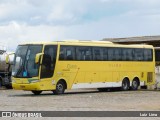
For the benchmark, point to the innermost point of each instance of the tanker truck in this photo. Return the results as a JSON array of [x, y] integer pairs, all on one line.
[[5, 71]]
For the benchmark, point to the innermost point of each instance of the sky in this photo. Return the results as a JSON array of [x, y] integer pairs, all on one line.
[[53, 20]]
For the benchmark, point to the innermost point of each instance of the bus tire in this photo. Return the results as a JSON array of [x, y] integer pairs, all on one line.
[[125, 84], [60, 88], [135, 84], [36, 92]]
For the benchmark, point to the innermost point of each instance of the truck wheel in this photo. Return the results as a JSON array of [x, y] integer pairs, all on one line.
[[36, 92]]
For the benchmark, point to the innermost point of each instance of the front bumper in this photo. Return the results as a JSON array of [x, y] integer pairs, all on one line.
[[29, 87]]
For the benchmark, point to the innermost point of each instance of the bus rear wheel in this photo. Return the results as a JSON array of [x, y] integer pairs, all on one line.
[[125, 84], [60, 88], [135, 84], [36, 92]]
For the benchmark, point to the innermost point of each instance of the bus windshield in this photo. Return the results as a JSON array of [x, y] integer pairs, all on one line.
[[24, 61]]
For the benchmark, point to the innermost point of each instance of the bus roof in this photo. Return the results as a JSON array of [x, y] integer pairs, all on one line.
[[91, 43]]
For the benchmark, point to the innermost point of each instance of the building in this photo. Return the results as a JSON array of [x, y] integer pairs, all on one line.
[[151, 40]]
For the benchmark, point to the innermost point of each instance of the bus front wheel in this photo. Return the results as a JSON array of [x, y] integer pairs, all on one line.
[[60, 88], [36, 92]]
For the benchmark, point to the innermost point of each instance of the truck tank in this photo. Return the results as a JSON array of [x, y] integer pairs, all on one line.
[[3, 65]]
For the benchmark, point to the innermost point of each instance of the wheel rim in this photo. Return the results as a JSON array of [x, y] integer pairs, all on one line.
[[135, 84], [125, 85], [60, 87]]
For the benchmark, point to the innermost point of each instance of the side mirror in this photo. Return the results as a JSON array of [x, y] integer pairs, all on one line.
[[37, 58], [9, 58]]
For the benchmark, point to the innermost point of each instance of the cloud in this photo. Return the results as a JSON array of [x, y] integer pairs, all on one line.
[[48, 20], [15, 33], [40, 12]]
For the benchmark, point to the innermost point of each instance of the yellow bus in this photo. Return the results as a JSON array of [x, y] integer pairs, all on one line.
[[57, 66]]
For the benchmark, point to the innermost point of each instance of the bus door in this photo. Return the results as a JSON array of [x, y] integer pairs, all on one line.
[[49, 61]]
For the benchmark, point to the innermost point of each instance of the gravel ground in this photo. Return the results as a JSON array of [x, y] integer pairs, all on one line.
[[81, 100]]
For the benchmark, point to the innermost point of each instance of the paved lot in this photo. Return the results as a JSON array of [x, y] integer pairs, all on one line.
[[89, 99], [81, 100]]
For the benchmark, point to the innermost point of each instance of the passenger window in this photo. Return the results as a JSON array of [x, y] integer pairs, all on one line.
[[83, 53], [138, 54], [114, 54], [110, 54], [148, 55], [124, 54], [127, 54], [97, 54], [117, 54], [105, 54], [67, 53]]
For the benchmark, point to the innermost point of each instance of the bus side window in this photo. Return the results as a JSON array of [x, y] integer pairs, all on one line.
[[124, 54], [83, 53], [80, 54], [105, 54], [97, 54], [88, 55], [67, 53], [117, 54], [110, 54], [138, 55], [147, 55], [150, 55], [61, 54], [129, 54]]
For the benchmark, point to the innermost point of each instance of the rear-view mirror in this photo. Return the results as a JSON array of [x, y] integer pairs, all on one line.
[[37, 58]]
